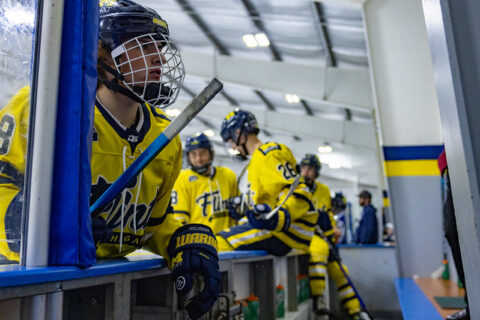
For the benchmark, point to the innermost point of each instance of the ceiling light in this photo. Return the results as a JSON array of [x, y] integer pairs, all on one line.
[[209, 133], [325, 149], [172, 112], [262, 39], [250, 40], [292, 98]]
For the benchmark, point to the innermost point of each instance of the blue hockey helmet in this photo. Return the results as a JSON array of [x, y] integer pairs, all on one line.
[[339, 201], [126, 27], [121, 20], [197, 141], [238, 120], [311, 160]]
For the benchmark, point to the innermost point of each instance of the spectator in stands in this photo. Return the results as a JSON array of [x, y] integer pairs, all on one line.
[[367, 231]]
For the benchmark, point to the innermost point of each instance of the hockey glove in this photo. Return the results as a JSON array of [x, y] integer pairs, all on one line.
[[324, 221], [234, 205], [278, 222], [193, 249], [100, 231]]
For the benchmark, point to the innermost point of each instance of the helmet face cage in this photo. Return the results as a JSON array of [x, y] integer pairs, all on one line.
[[150, 55]]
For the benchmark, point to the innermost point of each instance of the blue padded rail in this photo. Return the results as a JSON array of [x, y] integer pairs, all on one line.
[[415, 305], [231, 255], [15, 275]]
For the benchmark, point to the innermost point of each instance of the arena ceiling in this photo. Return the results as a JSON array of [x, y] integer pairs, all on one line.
[[316, 54]]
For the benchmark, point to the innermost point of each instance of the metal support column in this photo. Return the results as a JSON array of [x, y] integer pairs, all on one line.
[[454, 38]]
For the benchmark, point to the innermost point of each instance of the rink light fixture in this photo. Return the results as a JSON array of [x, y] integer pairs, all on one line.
[[325, 149], [292, 98], [262, 39], [172, 113], [250, 40], [209, 133], [257, 40]]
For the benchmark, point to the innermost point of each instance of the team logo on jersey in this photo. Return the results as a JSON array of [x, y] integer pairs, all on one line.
[[112, 212], [192, 178], [132, 138], [212, 198]]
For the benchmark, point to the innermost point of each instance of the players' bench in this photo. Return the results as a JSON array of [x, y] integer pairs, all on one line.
[[140, 283]]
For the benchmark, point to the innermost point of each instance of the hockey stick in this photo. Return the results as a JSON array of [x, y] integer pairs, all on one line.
[[290, 192], [177, 125], [339, 262]]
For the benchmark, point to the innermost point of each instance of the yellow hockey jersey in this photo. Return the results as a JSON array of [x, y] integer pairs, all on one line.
[[271, 172], [14, 120], [142, 204], [322, 201], [203, 199]]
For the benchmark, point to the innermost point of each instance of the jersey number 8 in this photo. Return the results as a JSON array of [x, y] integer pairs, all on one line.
[[7, 127]]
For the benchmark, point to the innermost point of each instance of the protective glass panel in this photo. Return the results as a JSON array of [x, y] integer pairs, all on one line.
[[17, 18]]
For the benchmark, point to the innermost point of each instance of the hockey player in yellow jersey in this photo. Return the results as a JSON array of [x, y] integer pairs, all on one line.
[[202, 192], [271, 172], [321, 259], [139, 69]]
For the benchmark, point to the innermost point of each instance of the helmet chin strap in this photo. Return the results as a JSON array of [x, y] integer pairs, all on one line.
[[201, 169], [243, 145], [151, 91]]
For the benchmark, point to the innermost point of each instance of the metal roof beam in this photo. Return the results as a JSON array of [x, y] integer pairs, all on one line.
[[264, 99], [256, 19], [323, 32], [307, 108], [203, 26]]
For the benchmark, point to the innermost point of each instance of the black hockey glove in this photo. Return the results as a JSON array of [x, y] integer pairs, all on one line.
[[193, 249], [280, 221], [324, 221]]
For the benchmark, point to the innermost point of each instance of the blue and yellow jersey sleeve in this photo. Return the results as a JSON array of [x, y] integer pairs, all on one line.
[[14, 120]]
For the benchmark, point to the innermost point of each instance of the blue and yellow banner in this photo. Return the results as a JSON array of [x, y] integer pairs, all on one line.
[[412, 160]]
